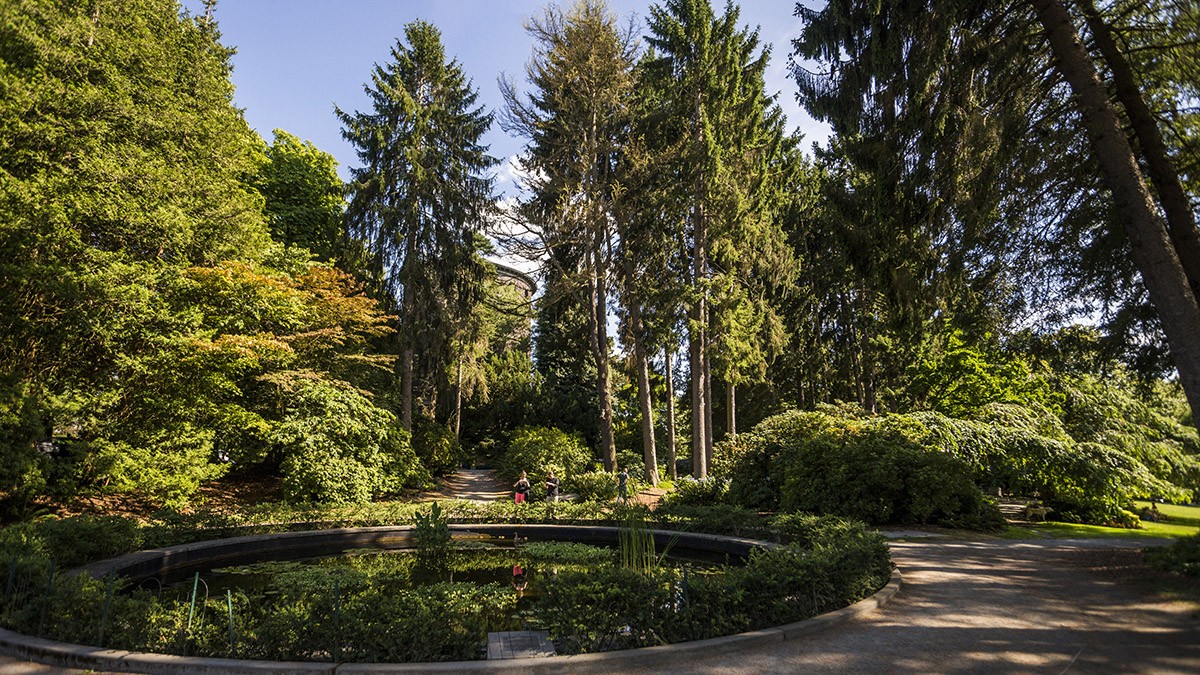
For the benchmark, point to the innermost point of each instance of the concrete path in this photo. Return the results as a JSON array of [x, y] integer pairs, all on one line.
[[999, 607]]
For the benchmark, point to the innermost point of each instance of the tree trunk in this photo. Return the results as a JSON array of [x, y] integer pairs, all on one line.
[[855, 360], [731, 410], [698, 328], [696, 367], [1181, 221], [649, 452], [708, 403], [1153, 251], [458, 402], [406, 389], [697, 351], [671, 459], [599, 320]]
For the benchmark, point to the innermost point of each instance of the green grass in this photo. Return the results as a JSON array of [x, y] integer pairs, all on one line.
[[1182, 521], [1176, 514]]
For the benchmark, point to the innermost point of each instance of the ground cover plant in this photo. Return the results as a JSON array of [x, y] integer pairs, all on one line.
[[1182, 557]]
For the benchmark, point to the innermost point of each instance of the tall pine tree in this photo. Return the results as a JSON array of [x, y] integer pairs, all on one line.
[[420, 198], [576, 121], [711, 72]]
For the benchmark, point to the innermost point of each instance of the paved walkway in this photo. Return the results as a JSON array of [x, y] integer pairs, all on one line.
[[999, 607]]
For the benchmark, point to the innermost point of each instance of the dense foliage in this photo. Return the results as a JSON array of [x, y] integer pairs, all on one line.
[[399, 608], [875, 469], [154, 335], [538, 451], [928, 467], [181, 300]]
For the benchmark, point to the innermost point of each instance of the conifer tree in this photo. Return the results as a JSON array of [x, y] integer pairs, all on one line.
[[576, 119], [724, 133], [953, 125], [420, 198]]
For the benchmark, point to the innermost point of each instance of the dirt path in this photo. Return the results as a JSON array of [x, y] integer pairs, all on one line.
[[481, 485]]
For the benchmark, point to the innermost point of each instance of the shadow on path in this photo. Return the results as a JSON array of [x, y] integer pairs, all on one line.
[[481, 485], [999, 607]]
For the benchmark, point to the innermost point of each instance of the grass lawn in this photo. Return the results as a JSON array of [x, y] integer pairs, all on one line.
[[1182, 521]]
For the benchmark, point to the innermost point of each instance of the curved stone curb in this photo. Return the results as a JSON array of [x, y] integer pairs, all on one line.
[[645, 657], [65, 655]]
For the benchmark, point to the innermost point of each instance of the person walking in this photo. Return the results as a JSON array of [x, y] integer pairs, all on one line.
[[623, 486], [522, 488], [551, 487]]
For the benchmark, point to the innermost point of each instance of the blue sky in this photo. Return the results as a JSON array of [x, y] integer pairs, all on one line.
[[297, 58]]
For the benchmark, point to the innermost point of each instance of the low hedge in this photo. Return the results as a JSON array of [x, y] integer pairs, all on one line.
[[346, 614]]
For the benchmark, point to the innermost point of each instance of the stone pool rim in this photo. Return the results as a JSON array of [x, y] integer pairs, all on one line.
[[183, 558]]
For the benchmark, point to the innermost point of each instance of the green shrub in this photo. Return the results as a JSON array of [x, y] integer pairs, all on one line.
[[537, 450], [603, 609], [566, 552], [751, 461], [619, 608], [922, 467], [436, 447], [595, 486], [1182, 557], [635, 464], [792, 583], [877, 470], [807, 530], [691, 492], [71, 542], [339, 447], [1081, 482], [715, 519]]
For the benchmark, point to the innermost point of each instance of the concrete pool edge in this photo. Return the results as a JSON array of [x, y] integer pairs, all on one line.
[[183, 557]]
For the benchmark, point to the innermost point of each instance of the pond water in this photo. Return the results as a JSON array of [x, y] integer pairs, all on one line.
[[520, 567]]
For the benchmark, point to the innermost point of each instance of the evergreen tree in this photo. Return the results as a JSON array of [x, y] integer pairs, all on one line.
[[960, 109], [420, 198], [1155, 244], [724, 133], [576, 121], [123, 160]]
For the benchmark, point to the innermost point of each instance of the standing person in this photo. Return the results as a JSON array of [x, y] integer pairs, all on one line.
[[623, 485], [551, 487], [522, 487]]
